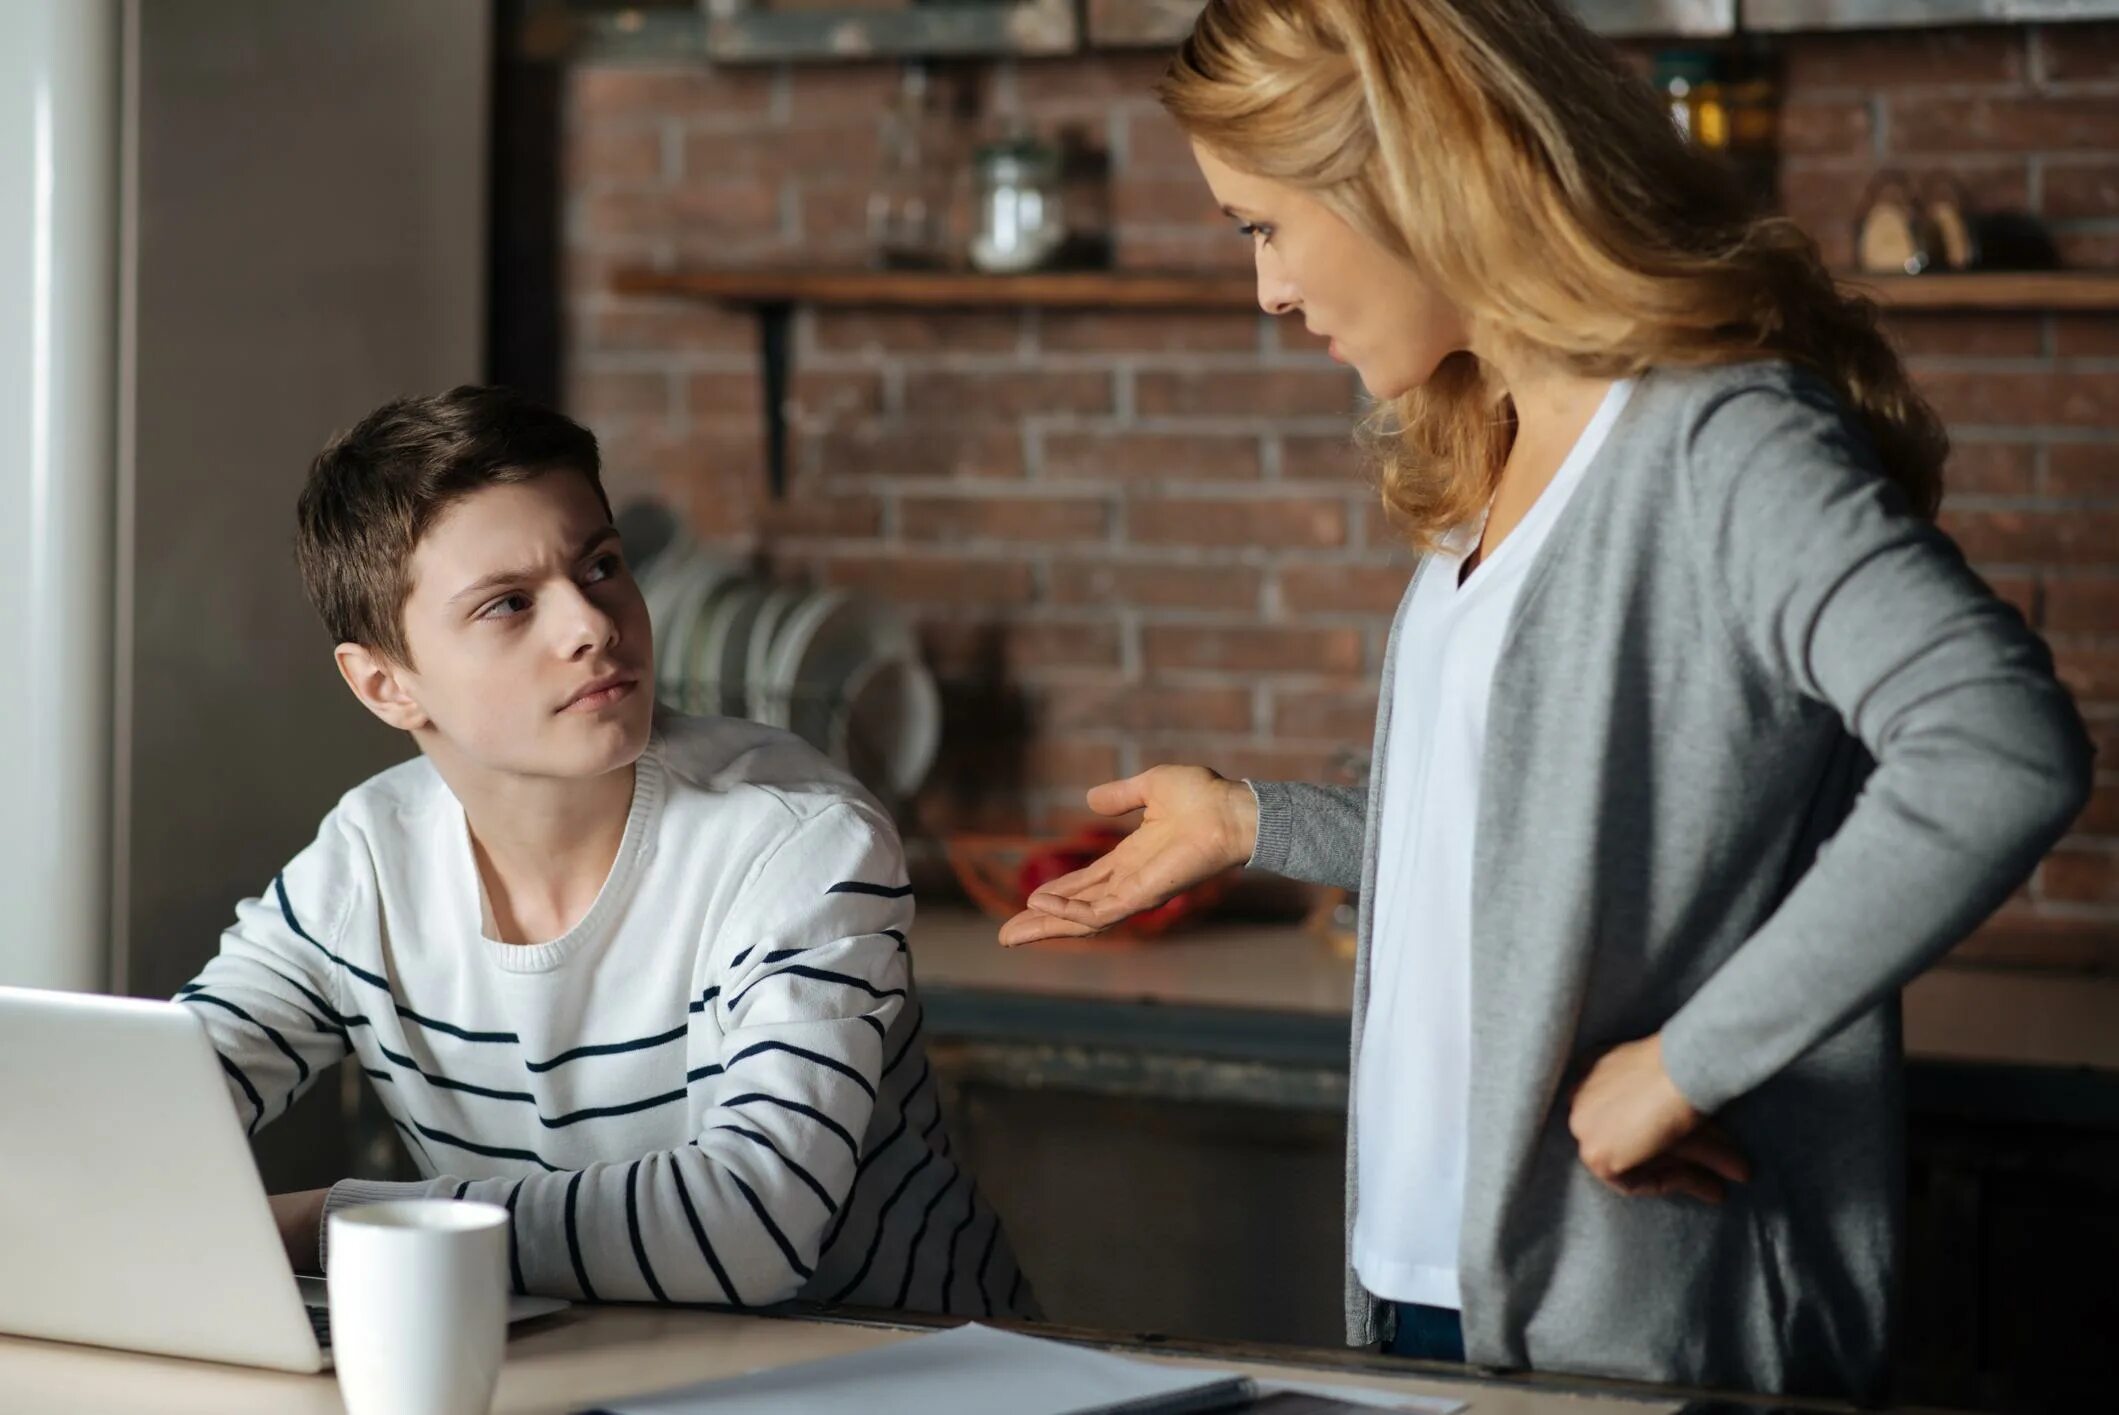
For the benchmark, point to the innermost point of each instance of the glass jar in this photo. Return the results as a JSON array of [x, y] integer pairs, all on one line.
[[1019, 222]]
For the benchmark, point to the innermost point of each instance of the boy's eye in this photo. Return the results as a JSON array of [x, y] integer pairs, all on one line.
[[603, 567], [506, 607]]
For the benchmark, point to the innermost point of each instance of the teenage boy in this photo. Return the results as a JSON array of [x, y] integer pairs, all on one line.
[[640, 979]]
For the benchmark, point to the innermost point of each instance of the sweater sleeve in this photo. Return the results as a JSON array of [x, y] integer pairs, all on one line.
[[1309, 832], [1980, 758], [269, 997], [803, 1000]]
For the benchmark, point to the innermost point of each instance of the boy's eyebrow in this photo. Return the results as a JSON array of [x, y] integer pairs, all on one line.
[[494, 581]]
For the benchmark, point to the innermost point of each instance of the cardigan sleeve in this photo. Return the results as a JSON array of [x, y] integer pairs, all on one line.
[[1981, 760]]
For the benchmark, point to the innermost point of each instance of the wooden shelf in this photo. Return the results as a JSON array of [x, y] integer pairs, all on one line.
[[2057, 290], [948, 289]]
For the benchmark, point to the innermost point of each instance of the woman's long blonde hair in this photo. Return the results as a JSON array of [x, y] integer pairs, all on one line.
[[1513, 159]]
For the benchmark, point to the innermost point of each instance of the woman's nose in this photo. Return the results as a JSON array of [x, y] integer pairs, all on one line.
[[1276, 293]]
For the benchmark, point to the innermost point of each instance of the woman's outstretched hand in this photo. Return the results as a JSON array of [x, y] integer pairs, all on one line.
[[1194, 824]]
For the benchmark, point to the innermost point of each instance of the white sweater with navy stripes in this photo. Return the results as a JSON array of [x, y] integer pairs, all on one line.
[[711, 1090]]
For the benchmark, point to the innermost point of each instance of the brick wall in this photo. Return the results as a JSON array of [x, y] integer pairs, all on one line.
[[1140, 537]]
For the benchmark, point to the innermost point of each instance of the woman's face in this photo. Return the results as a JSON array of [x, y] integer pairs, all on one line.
[[1381, 317]]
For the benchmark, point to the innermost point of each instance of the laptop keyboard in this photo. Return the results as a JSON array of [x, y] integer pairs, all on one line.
[[320, 1323]]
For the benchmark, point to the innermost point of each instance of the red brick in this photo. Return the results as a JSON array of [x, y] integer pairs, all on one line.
[[1132, 708], [1949, 124], [1343, 589], [1252, 649], [807, 149], [1125, 331], [931, 579], [1892, 59], [664, 326], [925, 449], [604, 157], [2079, 52], [1307, 523], [2085, 336], [2101, 816], [2082, 189], [1991, 469], [2013, 939], [1347, 716], [1170, 201], [2086, 605], [821, 93], [732, 393], [1964, 336], [2021, 397], [2080, 876], [1829, 126], [623, 93], [834, 395], [1092, 83], [1261, 393], [2042, 536], [2021, 591], [1181, 248], [2104, 736], [1015, 650], [1055, 763], [2090, 670], [2086, 250], [948, 393], [833, 221], [718, 211], [1043, 519], [1226, 587], [1150, 456], [595, 395], [1323, 459], [835, 515], [1241, 760], [851, 331], [2084, 469], [1154, 143]]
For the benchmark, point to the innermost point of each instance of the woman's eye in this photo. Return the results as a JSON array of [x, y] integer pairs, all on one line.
[[1253, 230]]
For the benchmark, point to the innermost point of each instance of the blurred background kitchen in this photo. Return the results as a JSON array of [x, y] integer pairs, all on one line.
[[949, 435]]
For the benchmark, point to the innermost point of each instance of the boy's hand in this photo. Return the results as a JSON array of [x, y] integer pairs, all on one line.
[[1639, 1135], [1193, 824], [300, 1218]]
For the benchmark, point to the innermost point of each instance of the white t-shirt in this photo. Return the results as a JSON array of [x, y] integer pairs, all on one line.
[[1411, 1089]]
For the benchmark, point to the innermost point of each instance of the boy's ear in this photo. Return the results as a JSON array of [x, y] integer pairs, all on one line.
[[379, 685]]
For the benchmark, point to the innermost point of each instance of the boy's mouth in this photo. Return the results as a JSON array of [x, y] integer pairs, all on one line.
[[601, 693]]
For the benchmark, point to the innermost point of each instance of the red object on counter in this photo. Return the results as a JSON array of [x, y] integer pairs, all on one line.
[[1001, 872]]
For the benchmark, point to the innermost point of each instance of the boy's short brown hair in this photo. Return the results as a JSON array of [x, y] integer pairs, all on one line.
[[375, 490]]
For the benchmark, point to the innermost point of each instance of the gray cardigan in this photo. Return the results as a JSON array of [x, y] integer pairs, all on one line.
[[1761, 747]]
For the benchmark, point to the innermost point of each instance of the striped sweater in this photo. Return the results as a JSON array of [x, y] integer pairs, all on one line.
[[711, 1090]]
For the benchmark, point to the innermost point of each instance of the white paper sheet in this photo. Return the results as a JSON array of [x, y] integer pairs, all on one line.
[[971, 1370]]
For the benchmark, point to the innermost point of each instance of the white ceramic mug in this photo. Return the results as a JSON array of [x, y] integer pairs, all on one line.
[[419, 1305]]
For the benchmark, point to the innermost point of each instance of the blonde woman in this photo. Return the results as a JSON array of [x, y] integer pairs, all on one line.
[[1697, 739]]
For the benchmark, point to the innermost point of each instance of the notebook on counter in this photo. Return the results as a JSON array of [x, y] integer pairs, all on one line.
[[976, 1370]]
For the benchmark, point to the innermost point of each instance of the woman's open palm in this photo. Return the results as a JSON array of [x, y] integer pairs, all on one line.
[[1194, 824]]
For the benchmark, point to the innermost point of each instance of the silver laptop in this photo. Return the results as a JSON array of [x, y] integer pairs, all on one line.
[[131, 1212]]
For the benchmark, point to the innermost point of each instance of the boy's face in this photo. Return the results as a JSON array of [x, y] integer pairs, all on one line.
[[528, 637]]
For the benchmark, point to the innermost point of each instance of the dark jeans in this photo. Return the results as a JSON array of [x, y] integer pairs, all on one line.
[[1427, 1333]]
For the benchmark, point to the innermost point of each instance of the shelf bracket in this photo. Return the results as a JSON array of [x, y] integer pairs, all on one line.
[[774, 320]]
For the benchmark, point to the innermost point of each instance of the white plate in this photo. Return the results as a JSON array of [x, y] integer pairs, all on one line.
[[863, 697], [673, 645], [783, 679], [729, 638]]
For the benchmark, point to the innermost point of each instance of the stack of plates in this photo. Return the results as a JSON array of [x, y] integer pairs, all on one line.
[[840, 671]]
